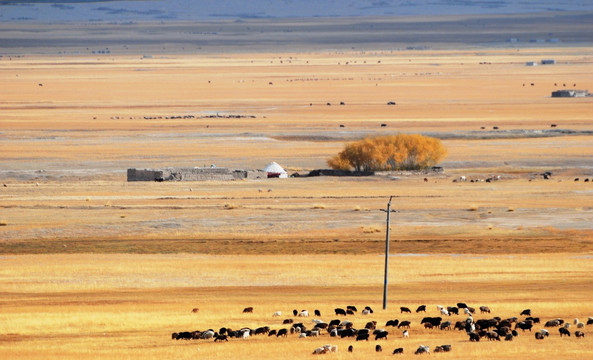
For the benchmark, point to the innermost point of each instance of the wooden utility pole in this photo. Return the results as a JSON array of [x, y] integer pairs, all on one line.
[[388, 211]]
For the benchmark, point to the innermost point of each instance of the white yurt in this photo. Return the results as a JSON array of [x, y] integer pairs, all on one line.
[[275, 171]]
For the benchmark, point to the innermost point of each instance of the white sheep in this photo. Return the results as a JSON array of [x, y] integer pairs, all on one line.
[[366, 312], [277, 313], [208, 334], [406, 334], [445, 312], [304, 313], [320, 350], [246, 333], [317, 321], [466, 311], [302, 335]]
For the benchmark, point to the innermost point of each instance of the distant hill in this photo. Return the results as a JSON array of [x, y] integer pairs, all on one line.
[[163, 10]]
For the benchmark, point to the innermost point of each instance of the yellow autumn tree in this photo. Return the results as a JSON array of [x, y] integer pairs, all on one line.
[[393, 152]]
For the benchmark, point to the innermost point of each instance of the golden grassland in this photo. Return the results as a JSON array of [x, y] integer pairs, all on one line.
[[95, 267], [314, 215], [127, 306]]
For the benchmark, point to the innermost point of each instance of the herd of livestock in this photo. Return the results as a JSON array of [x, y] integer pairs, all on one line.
[[488, 328]]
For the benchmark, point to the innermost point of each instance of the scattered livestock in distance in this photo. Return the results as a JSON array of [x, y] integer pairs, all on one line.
[[177, 117], [490, 329]]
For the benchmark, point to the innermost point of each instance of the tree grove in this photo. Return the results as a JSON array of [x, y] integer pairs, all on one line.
[[392, 152]]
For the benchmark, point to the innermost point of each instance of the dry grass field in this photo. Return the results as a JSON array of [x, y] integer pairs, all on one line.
[[96, 267], [127, 306]]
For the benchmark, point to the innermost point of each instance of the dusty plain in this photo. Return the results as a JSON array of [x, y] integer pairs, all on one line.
[[93, 266]]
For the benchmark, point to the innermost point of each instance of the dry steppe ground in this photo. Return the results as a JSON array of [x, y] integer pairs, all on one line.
[[97, 267]]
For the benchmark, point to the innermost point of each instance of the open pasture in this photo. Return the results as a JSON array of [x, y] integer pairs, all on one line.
[[95, 267], [127, 306]]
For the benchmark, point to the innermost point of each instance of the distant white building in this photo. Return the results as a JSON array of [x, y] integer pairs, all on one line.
[[275, 171]]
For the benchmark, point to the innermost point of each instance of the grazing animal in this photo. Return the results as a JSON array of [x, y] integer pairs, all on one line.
[[404, 324], [493, 335], [262, 330], [579, 334], [406, 334], [371, 325], [552, 323], [195, 310], [287, 321], [446, 325], [340, 311], [445, 312], [365, 312], [335, 322], [304, 313], [221, 338], [208, 334], [317, 312], [350, 348], [452, 310], [508, 337], [539, 336], [580, 325], [282, 332], [564, 331], [362, 336], [590, 321], [393, 323], [421, 308], [398, 351], [474, 337], [272, 332], [404, 309], [277, 313], [524, 325], [461, 305], [352, 308], [443, 348], [248, 309], [422, 350], [320, 350], [382, 334], [486, 323], [378, 348], [526, 312], [295, 312], [434, 321], [348, 333]]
